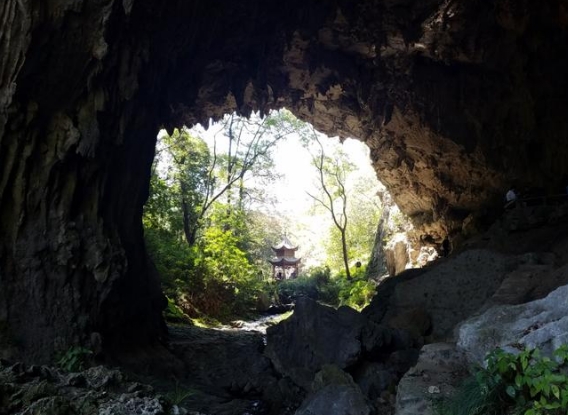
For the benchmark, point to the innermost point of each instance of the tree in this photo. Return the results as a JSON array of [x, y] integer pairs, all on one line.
[[364, 211], [332, 172], [200, 225], [200, 176], [186, 160]]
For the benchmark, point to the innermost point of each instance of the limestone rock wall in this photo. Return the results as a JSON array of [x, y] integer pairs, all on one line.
[[76, 139], [455, 100]]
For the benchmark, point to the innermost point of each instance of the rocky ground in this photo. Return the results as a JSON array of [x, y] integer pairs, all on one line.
[[413, 344], [42, 390]]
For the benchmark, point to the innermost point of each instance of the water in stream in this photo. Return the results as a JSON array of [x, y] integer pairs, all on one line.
[[260, 324]]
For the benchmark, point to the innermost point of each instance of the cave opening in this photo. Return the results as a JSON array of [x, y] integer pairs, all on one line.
[[455, 100], [240, 185]]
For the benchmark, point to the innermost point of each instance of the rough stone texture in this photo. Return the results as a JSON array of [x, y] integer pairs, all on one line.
[[448, 292], [374, 378], [73, 178], [313, 336], [334, 393], [230, 369], [335, 400], [454, 99], [126, 405], [39, 390], [528, 283], [396, 257], [439, 370], [541, 323]]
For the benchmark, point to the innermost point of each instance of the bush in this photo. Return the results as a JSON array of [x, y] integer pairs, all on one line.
[[357, 294], [74, 359], [526, 383], [291, 290], [320, 285], [174, 313]]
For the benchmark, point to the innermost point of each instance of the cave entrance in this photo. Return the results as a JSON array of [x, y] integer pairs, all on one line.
[[223, 194]]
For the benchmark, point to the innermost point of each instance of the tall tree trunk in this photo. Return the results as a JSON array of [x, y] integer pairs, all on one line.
[[345, 254], [189, 229]]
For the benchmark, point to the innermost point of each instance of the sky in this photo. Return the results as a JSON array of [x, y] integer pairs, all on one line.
[[307, 225]]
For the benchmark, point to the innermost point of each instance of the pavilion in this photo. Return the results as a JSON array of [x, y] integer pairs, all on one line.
[[285, 264]]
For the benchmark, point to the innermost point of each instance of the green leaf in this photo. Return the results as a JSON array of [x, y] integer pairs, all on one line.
[[524, 362], [518, 380], [511, 391], [546, 389], [555, 391]]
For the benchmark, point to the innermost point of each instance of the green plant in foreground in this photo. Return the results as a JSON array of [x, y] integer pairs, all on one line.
[[74, 359], [179, 394], [526, 383], [174, 313]]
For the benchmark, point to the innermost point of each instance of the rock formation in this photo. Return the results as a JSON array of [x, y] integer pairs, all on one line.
[[455, 100], [511, 307], [44, 390]]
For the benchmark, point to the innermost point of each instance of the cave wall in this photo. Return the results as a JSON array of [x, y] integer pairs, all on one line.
[[455, 99]]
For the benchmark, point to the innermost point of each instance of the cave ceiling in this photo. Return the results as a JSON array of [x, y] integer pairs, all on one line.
[[455, 99]]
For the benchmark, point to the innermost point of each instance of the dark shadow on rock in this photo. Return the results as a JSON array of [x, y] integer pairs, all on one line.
[[313, 336]]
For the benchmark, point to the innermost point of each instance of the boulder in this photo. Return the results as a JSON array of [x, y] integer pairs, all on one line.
[[380, 304], [334, 393], [39, 390], [396, 255], [313, 336], [373, 379], [52, 405], [223, 360], [401, 360], [444, 294], [335, 400], [415, 321], [522, 285], [440, 368], [375, 338], [100, 377], [541, 323]]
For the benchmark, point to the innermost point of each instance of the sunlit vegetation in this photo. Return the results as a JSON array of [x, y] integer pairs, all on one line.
[[336, 290], [209, 233], [524, 383]]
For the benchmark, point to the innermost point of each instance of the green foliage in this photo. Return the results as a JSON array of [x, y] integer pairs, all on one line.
[[74, 359], [320, 285], [257, 237], [358, 293], [526, 383], [208, 245], [179, 185], [174, 313], [229, 280], [179, 394], [304, 286], [172, 257]]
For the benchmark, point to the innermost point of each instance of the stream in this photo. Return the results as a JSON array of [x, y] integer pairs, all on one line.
[[260, 324]]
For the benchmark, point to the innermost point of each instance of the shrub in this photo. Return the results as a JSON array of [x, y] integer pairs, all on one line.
[[174, 313], [74, 359], [357, 294], [526, 383], [320, 285], [304, 286]]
